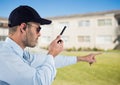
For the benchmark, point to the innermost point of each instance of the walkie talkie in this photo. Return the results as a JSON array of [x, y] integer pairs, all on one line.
[[62, 33]]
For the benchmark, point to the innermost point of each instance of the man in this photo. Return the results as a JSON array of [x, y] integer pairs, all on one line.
[[19, 67]]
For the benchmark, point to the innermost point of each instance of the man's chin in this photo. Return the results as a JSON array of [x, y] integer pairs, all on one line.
[[32, 46]]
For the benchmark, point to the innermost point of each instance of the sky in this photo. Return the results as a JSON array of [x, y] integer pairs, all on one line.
[[52, 8]]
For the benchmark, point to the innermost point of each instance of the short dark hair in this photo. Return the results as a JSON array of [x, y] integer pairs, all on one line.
[[12, 30]]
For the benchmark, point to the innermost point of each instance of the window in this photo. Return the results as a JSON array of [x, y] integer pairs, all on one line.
[[2, 38], [84, 23], [1, 24], [104, 39], [83, 38], [103, 22]]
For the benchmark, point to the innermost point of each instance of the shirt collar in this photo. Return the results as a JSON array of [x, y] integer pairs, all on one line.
[[15, 47]]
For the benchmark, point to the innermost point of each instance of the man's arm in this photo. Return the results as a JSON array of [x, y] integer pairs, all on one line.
[[55, 48], [45, 69], [90, 58], [62, 61]]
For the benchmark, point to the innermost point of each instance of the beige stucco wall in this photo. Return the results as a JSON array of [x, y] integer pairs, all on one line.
[[74, 30]]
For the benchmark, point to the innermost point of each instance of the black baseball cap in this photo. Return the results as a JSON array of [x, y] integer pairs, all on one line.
[[24, 14]]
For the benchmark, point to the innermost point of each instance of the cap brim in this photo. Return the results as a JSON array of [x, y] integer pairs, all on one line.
[[45, 21]]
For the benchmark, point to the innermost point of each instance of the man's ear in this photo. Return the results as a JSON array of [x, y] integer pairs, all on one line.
[[23, 27]]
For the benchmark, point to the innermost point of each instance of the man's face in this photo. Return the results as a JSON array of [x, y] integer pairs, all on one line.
[[32, 34]]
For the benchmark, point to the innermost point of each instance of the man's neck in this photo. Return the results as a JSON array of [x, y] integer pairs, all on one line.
[[17, 40]]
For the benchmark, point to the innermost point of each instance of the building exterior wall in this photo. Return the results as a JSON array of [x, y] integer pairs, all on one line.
[[86, 31], [3, 29], [93, 34]]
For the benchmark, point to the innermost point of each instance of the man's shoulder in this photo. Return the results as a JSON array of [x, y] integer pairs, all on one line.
[[2, 45], [2, 42], [6, 52], [4, 48]]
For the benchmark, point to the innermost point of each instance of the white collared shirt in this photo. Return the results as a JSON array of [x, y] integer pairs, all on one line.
[[34, 69], [15, 71]]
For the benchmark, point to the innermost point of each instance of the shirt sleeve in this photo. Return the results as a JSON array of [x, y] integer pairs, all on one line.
[[46, 72], [45, 68], [62, 61]]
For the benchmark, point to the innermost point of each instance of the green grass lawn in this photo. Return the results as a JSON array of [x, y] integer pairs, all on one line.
[[106, 71]]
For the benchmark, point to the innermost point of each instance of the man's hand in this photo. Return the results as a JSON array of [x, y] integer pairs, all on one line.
[[56, 47], [88, 58]]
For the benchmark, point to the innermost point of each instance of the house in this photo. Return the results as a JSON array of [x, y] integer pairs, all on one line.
[[3, 28], [91, 30]]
